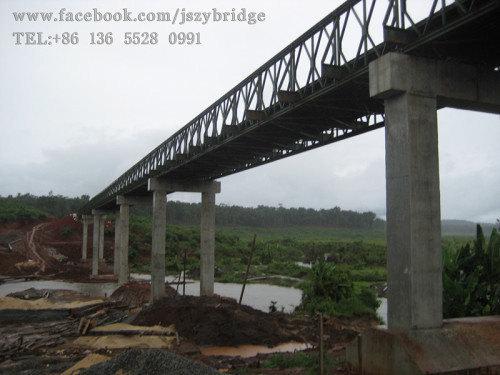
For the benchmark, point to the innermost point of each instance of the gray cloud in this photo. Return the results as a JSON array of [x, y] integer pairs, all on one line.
[[74, 118]]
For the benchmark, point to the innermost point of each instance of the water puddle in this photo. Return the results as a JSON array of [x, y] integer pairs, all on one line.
[[92, 289], [246, 351], [258, 296]]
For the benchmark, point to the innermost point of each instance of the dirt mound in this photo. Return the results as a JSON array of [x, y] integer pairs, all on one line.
[[8, 263], [67, 222], [137, 293], [212, 321], [149, 362]]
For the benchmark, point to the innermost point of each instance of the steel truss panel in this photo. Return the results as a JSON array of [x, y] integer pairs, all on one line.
[[314, 92]]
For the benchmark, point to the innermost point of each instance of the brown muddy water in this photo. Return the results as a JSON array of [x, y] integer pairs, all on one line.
[[247, 351]]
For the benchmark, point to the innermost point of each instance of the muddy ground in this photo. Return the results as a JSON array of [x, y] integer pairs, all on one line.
[[44, 250]]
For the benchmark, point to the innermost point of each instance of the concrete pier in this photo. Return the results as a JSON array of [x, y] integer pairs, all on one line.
[[98, 238], [86, 220], [116, 252], [207, 245], [123, 272], [101, 235], [415, 341], [158, 243], [95, 242], [414, 259], [123, 223], [413, 89], [162, 187]]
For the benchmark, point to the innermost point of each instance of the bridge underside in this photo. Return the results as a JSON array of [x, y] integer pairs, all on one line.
[[334, 107], [302, 126], [451, 59]]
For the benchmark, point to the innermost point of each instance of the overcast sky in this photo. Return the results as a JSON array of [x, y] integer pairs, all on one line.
[[75, 117]]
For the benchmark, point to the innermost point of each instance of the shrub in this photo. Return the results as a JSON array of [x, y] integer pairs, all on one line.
[[66, 232], [329, 289], [471, 278]]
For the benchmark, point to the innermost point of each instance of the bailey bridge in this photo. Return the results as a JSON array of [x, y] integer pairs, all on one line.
[[320, 90]]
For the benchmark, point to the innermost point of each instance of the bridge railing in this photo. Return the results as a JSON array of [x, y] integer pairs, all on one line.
[[339, 45]]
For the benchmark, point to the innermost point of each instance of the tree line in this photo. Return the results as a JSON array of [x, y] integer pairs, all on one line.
[[25, 207], [182, 213]]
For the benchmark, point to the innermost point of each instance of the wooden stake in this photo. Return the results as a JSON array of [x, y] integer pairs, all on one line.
[[248, 269], [184, 276], [320, 343]]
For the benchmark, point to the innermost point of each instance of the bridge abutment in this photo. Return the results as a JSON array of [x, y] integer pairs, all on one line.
[[415, 341]]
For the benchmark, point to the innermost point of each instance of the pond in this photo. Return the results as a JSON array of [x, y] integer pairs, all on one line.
[[258, 296]]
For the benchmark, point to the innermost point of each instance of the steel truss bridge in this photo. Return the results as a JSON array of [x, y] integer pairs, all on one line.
[[315, 91]]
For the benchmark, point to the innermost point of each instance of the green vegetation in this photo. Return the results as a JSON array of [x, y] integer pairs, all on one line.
[[353, 244], [39, 207], [471, 277], [66, 232], [329, 289], [10, 211], [278, 252], [263, 216]]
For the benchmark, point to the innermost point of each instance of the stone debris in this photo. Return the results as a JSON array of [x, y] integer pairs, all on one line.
[[85, 363], [149, 362]]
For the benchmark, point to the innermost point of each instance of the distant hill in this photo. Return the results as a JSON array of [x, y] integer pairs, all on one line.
[[464, 228]]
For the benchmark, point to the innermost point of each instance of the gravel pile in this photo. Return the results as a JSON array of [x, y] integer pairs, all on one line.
[[149, 362]]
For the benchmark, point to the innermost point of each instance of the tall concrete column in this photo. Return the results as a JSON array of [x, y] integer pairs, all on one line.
[[161, 187], [116, 252], [412, 89], [122, 238], [158, 244], [86, 219], [95, 243], [123, 273], [101, 236], [414, 254], [207, 244]]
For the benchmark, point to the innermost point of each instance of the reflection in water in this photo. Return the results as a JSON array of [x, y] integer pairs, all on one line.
[[258, 296], [91, 289], [382, 310], [247, 351]]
